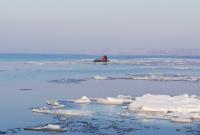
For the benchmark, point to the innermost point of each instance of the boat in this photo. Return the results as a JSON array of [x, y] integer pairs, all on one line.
[[102, 59]]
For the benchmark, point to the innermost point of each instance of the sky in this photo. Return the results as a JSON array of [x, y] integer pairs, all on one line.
[[63, 26]]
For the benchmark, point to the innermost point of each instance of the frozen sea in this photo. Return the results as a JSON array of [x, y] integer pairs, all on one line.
[[30, 80]]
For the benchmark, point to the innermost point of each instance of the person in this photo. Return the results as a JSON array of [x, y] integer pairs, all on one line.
[[102, 59]]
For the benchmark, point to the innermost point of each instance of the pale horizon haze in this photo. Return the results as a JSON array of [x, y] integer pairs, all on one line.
[[61, 26]]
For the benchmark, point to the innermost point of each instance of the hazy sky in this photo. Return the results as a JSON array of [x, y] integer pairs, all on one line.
[[59, 26]]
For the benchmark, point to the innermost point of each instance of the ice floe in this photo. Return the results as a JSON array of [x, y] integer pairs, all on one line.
[[180, 109], [97, 77], [165, 77], [82, 100], [183, 108], [153, 77], [62, 112], [147, 77], [114, 100], [41, 110], [48, 127], [55, 104], [35, 63]]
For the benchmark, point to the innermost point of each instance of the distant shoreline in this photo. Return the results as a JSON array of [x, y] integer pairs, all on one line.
[[115, 55], [125, 52]]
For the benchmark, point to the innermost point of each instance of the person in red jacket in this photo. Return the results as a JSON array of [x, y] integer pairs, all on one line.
[[102, 59]]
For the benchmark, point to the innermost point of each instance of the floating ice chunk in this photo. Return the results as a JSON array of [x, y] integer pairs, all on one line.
[[72, 113], [114, 101], [126, 98], [166, 77], [48, 127], [153, 77], [124, 107], [181, 120], [82, 100], [41, 110], [183, 108], [55, 104], [179, 117], [62, 112], [34, 63], [97, 77]]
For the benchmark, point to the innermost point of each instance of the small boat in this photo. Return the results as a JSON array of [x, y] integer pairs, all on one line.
[[102, 59]]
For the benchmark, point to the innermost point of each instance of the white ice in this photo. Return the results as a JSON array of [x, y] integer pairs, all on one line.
[[114, 100], [97, 77], [62, 112], [82, 100], [183, 108], [49, 127], [157, 77], [55, 104], [153, 77]]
